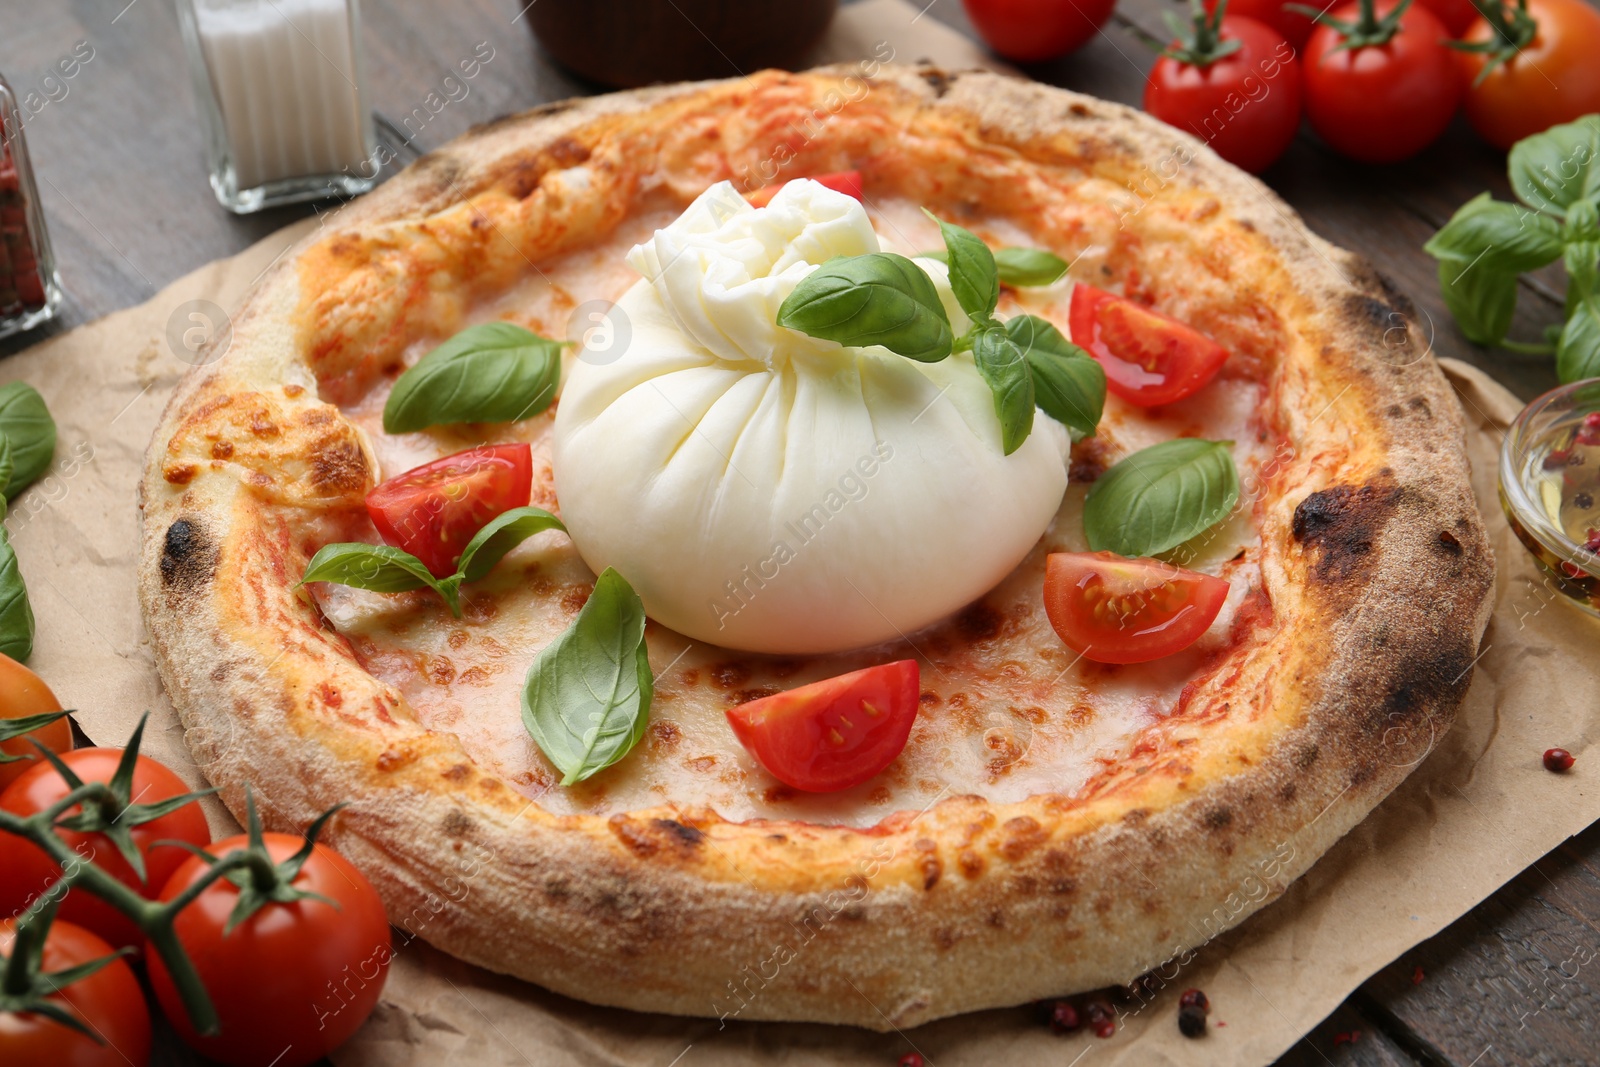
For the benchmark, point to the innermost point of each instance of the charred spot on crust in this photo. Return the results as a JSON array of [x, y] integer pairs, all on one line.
[[979, 622], [1448, 543], [341, 466], [1217, 818], [937, 80], [648, 839], [1343, 522], [457, 824], [1080, 110], [1305, 756], [687, 835], [188, 558]]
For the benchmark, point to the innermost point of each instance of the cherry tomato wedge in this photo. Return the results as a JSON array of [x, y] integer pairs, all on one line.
[[25, 871], [847, 182], [1119, 610], [1148, 358], [432, 511], [835, 733], [23, 695], [109, 1001]]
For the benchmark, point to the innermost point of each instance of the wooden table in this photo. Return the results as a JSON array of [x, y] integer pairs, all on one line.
[[119, 162]]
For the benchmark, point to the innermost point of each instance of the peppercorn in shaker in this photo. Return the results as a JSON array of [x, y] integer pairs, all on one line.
[[30, 292]]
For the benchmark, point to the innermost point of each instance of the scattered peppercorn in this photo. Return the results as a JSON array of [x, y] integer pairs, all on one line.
[[1196, 998], [1557, 458], [1558, 760], [1064, 1017], [1192, 1020], [1101, 1016], [1348, 1038], [1583, 500], [1416, 975], [913, 1059]]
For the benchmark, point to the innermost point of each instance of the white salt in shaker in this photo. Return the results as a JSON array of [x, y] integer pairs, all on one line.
[[281, 93]]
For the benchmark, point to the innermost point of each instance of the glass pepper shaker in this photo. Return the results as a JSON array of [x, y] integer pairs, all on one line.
[[281, 91], [30, 291]]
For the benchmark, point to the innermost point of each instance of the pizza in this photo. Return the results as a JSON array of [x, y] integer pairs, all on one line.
[[803, 489]]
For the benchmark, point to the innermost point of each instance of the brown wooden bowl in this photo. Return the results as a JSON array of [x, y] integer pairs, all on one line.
[[628, 43]]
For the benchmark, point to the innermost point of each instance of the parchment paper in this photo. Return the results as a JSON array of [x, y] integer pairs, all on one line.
[[1478, 810]]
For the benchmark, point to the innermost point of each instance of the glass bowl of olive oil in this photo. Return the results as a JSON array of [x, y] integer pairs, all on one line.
[[1550, 487]]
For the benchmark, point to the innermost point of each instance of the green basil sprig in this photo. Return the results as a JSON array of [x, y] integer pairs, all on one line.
[[16, 615], [385, 569], [875, 299], [26, 422], [586, 701], [974, 277], [1161, 496], [492, 372], [1488, 243], [1004, 365], [1068, 383], [7, 466], [1020, 268]]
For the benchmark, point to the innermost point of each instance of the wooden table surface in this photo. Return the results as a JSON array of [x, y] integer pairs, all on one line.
[[118, 156]]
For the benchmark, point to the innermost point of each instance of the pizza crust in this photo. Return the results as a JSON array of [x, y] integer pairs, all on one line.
[[1374, 555]]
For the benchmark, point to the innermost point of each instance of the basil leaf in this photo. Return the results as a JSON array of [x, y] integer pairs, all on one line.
[[379, 568], [493, 372], [1023, 267], [1582, 260], [876, 299], [1068, 384], [1005, 368], [7, 465], [1482, 301], [1487, 233], [1578, 350], [1159, 497], [16, 615], [502, 533], [26, 420], [587, 698], [1552, 170], [974, 278]]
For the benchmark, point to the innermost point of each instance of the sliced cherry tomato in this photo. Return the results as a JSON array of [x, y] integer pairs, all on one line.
[[23, 694], [1555, 78], [109, 1001], [432, 511], [1148, 358], [847, 182], [293, 981], [1031, 31], [25, 871], [835, 733], [1245, 104], [1381, 103], [1291, 25], [1119, 610]]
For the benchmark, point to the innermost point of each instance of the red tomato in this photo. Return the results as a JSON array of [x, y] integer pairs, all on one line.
[[1456, 16], [1245, 105], [23, 694], [109, 1000], [1148, 358], [1381, 103], [835, 733], [293, 981], [1555, 79], [1030, 31], [1291, 25], [847, 182], [1119, 610], [433, 510], [25, 871]]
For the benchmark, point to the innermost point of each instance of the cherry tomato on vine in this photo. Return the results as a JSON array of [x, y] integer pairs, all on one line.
[[1292, 26], [1456, 16], [109, 1001], [1119, 610], [1149, 359], [1031, 31], [432, 511], [1236, 86], [847, 182], [25, 871], [1392, 94], [1544, 69], [292, 981], [835, 733], [23, 694]]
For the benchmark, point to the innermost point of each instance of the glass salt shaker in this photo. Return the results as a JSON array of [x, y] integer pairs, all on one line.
[[282, 91], [30, 290]]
